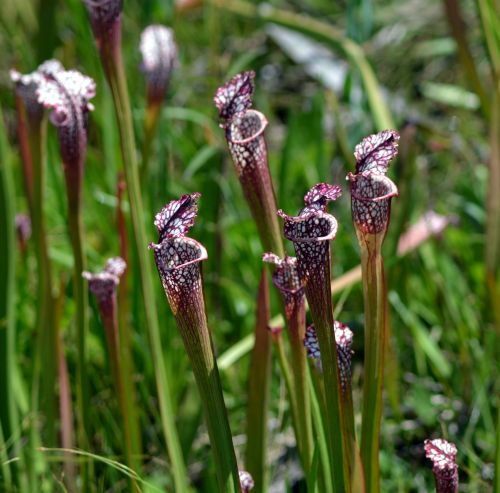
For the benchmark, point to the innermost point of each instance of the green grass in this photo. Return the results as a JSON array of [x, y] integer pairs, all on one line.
[[444, 335]]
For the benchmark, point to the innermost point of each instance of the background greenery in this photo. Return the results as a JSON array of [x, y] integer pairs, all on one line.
[[444, 371]]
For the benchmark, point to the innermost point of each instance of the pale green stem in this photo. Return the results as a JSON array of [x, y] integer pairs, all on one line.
[[297, 325], [287, 377], [318, 408], [375, 303], [199, 347]]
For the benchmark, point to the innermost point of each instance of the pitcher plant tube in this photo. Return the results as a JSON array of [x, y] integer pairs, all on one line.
[[311, 232], [159, 58], [105, 19], [178, 259], [67, 94], [371, 194], [104, 286], [244, 131], [443, 456], [286, 280], [32, 136]]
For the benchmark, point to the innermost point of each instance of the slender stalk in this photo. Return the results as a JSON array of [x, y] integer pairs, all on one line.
[[199, 347], [279, 347], [113, 66], [297, 324], [76, 234], [125, 347], [493, 204], [258, 391], [375, 303], [8, 418], [65, 404], [318, 412], [46, 332]]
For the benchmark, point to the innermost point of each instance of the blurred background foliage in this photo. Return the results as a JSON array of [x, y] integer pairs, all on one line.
[[443, 372]]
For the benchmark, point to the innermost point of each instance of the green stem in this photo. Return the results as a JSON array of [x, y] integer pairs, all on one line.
[[493, 204], [8, 418], [125, 335], [375, 303], [45, 326], [113, 65], [81, 300], [297, 325], [199, 347], [110, 322], [318, 407], [337, 440], [287, 377], [325, 33], [258, 391]]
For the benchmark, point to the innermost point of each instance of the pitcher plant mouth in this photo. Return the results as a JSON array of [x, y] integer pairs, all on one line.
[[310, 228], [178, 253], [371, 195], [178, 262], [246, 127]]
